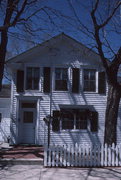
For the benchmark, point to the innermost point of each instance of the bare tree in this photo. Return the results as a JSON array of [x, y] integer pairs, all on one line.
[[114, 88], [103, 21]]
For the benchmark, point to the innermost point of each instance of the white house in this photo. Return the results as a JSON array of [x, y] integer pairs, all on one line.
[[5, 113], [63, 81]]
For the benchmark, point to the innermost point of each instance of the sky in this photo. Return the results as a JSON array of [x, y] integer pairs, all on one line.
[[59, 16]]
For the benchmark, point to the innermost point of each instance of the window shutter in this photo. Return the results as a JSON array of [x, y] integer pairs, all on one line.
[[20, 81], [46, 84], [0, 117], [56, 121], [75, 80], [101, 83], [94, 121]]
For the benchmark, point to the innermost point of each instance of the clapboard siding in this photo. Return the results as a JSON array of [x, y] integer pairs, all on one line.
[[119, 125], [44, 108], [80, 136]]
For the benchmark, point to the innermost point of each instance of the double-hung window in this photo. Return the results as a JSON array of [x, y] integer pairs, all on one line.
[[73, 119], [81, 120], [67, 120], [90, 80], [0, 117], [61, 79], [32, 78]]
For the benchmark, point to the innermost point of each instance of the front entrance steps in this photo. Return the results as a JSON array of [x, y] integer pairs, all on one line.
[[22, 154]]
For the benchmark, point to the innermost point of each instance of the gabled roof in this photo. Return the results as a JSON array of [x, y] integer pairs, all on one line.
[[46, 44]]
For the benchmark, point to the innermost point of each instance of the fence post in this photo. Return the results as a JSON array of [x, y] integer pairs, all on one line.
[[116, 155], [109, 155], [68, 156], [91, 152], [105, 155], [83, 155], [98, 155], [65, 155], [57, 156], [113, 154], [120, 154], [102, 155], [87, 155], [94, 156], [45, 156], [61, 158], [72, 157], [76, 153]]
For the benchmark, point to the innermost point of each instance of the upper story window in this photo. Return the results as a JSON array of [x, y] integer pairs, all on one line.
[[32, 78], [90, 80], [0, 117], [61, 79]]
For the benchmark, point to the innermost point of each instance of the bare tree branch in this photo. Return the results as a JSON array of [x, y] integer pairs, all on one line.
[[97, 37], [110, 16]]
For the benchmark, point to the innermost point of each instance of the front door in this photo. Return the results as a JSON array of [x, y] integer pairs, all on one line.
[[28, 125]]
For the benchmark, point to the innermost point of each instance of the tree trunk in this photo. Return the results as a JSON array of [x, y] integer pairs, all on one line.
[[113, 100], [3, 46]]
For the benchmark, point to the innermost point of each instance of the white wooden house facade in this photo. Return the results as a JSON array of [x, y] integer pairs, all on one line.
[[63, 81]]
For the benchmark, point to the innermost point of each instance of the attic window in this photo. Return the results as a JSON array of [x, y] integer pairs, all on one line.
[[32, 78]]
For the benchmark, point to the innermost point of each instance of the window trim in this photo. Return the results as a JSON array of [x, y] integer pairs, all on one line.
[[25, 70], [96, 80]]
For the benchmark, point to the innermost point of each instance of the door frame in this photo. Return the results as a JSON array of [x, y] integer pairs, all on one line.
[[18, 114]]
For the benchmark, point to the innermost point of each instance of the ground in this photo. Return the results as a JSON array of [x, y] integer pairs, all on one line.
[[38, 172]]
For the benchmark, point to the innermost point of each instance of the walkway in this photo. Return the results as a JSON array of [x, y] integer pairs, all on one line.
[[38, 172]]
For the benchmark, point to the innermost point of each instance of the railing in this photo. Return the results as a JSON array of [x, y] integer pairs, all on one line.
[[82, 155]]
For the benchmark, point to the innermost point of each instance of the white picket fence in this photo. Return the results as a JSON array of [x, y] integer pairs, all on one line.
[[82, 155]]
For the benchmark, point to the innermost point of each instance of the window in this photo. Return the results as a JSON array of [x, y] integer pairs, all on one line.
[[90, 80], [0, 117], [67, 120], [28, 105], [28, 117], [74, 119], [32, 78], [61, 78], [81, 120]]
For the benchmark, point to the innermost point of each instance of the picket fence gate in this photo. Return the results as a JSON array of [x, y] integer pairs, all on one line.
[[82, 155]]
